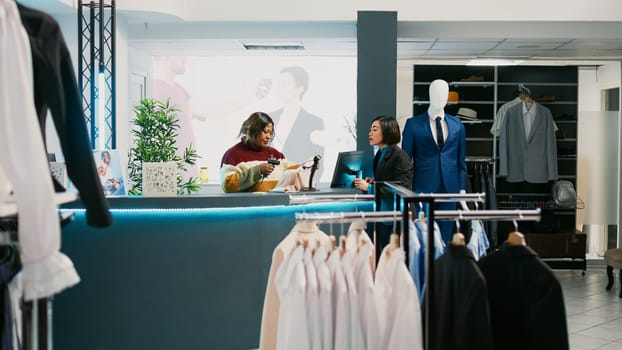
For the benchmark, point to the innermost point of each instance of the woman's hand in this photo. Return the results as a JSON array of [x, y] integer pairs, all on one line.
[[266, 168], [361, 184]]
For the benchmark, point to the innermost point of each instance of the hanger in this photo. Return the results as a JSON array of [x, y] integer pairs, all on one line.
[[318, 244], [394, 243], [421, 212], [394, 213], [516, 238], [458, 239]]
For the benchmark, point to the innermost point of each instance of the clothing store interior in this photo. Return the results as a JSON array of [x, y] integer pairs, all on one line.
[[201, 174]]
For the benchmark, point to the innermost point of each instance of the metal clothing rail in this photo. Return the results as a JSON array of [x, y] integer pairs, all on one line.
[[503, 214], [328, 218], [318, 198], [480, 160], [408, 197]]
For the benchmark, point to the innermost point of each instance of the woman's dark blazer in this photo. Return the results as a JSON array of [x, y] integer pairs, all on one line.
[[395, 167]]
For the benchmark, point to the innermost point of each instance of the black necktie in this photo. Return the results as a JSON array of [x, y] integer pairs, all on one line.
[[440, 141]]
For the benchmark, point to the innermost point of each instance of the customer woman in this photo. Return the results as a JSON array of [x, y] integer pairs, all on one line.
[[391, 163], [245, 167]]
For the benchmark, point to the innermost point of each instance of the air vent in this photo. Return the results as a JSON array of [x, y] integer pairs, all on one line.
[[277, 46]]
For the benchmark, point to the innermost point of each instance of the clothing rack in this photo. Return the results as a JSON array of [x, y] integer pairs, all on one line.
[[36, 314], [480, 160], [430, 199], [318, 198], [409, 196], [501, 214], [335, 218]]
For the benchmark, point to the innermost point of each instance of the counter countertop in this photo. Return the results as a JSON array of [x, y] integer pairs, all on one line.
[[211, 196]]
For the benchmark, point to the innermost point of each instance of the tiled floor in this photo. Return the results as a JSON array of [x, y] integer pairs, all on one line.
[[594, 315]]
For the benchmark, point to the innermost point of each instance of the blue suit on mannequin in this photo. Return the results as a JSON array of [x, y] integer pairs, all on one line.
[[437, 168]]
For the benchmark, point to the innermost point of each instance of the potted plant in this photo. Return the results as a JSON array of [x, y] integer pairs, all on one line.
[[154, 142]]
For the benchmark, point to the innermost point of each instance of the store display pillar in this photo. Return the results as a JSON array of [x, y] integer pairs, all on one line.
[[377, 74]]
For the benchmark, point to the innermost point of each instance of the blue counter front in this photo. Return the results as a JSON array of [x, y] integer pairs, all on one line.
[[175, 273]]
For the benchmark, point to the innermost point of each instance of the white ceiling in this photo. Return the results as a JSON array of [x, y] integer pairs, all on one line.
[[428, 41], [417, 40]]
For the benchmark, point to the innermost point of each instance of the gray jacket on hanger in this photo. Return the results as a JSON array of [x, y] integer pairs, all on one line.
[[533, 158]]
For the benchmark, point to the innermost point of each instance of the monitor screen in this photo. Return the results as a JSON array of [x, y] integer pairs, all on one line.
[[348, 168]]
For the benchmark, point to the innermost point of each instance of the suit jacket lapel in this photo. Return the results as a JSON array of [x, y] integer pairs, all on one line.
[[451, 130], [535, 124], [427, 129], [521, 122]]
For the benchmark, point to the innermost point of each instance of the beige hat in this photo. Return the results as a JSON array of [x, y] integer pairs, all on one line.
[[467, 113], [613, 258]]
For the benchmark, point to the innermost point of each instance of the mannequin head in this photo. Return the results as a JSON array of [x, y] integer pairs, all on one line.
[[439, 91]]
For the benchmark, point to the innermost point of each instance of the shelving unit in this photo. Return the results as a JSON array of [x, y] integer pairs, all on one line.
[[487, 88]]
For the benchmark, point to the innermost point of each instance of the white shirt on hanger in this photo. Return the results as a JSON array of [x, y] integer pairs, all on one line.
[[326, 305], [364, 279], [312, 301], [402, 318], [293, 331], [271, 306], [357, 339], [341, 311], [496, 125], [23, 159]]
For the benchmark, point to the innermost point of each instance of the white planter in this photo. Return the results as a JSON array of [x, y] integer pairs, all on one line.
[[159, 179], [59, 172]]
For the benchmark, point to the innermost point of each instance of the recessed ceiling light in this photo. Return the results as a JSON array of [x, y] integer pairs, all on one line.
[[296, 45], [493, 62]]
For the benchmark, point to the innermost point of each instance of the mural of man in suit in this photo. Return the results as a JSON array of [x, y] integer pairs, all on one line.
[[439, 160], [297, 130]]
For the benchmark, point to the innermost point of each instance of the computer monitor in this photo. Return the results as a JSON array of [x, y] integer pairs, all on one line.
[[348, 167]]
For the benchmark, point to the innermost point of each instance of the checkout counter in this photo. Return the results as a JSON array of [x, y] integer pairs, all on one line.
[[186, 272]]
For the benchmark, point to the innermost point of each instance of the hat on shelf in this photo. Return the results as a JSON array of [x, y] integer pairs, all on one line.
[[453, 97], [473, 78], [467, 113]]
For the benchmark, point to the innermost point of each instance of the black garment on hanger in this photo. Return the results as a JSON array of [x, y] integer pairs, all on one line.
[[55, 88], [462, 318], [526, 301], [476, 179], [491, 204], [9, 266]]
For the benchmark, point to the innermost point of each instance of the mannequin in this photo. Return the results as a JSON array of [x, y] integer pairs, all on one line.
[[439, 92], [439, 163]]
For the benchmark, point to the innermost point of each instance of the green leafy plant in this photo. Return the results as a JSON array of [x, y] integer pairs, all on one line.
[[154, 141]]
